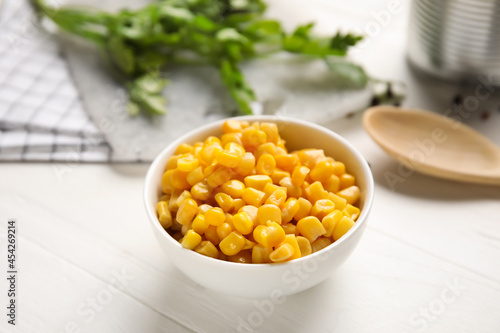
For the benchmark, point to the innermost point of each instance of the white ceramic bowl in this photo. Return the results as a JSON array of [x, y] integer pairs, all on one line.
[[265, 280]]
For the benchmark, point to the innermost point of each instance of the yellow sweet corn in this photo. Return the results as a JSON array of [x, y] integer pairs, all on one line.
[[248, 244], [304, 246], [287, 162], [268, 212], [231, 126], [200, 225], [172, 162], [231, 137], [257, 182], [290, 228], [183, 148], [203, 208], [278, 197], [252, 196], [191, 240], [252, 138], [237, 204], [231, 155], [266, 148], [351, 211], [201, 191], [304, 209], [223, 230], [166, 182], [207, 249], [260, 254], [320, 244], [243, 223], [282, 253], [215, 216], [351, 194], [321, 171], [251, 211], [232, 244], [299, 175], [289, 209], [187, 163], [269, 235], [322, 207], [291, 190], [187, 210], [292, 240], [224, 201], [310, 227], [330, 221], [342, 227], [164, 215], [195, 176], [338, 168], [278, 175], [315, 192], [346, 180], [265, 165], [211, 235], [309, 157], [271, 131], [339, 202], [246, 165], [332, 184], [220, 175], [233, 188]]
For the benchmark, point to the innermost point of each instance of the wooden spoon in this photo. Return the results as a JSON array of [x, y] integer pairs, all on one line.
[[434, 144]]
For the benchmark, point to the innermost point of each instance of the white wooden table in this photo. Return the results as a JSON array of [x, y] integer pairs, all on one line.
[[88, 262]]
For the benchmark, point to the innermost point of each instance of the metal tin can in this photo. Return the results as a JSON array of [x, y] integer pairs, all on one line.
[[455, 39]]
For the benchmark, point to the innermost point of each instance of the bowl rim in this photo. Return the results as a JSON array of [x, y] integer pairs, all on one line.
[[149, 185]]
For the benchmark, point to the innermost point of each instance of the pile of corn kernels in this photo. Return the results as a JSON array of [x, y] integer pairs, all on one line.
[[243, 198]]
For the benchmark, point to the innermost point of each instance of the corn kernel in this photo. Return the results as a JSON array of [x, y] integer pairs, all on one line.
[[269, 188], [224, 201], [257, 182], [200, 225], [251, 211], [166, 182], [315, 192], [188, 163], [351, 194], [179, 180], [304, 209], [299, 175], [243, 223], [231, 126], [209, 152], [290, 228], [165, 197], [201, 191], [207, 249], [309, 157], [287, 162], [347, 180], [220, 175], [342, 227], [278, 197], [322, 207], [252, 138], [232, 244], [211, 235], [215, 216], [247, 164], [351, 211], [271, 130], [266, 148], [231, 137], [304, 246], [203, 208], [164, 215], [195, 176], [330, 221], [292, 190], [248, 244], [282, 253], [321, 171], [187, 210], [237, 204], [233, 187], [191, 240], [242, 257], [292, 240], [278, 175], [332, 184], [229, 220], [223, 230], [339, 202], [172, 162], [320, 244], [185, 228], [268, 212], [173, 203], [289, 209], [183, 148], [265, 165], [269, 235], [310, 227], [260, 254], [338, 168], [252, 196]]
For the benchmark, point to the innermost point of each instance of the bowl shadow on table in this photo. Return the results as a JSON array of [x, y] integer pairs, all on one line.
[[395, 177]]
